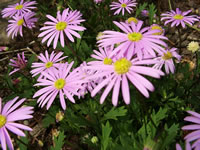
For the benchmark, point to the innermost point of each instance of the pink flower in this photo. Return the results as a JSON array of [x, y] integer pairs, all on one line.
[[16, 25], [18, 8], [67, 24], [178, 17], [166, 58], [48, 63], [62, 82], [123, 5], [9, 113], [18, 64], [118, 73], [135, 40]]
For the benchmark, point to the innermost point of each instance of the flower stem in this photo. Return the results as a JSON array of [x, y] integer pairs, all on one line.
[[193, 27], [72, 50], [170, 5]]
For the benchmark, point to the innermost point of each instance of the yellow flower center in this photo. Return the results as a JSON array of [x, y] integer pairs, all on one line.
[[123, 5], [61, 26], [20, 22], [2, 121], [167, 56], [178, 17], [49, 64], [59, 84], [107, 61], [156, 27], [132, 19], [18, 7], [135, 36], [122, 66]]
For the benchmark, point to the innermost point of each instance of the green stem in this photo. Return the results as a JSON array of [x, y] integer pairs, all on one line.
[[170, 5], [193, 27]]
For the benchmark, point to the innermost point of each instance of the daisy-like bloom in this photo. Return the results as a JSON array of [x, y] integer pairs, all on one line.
[[18, 21], [132, 19], [90, 84], [187, 146], [195, 128], [49, 62], [135, 40], [9, 114], [178, 17], [102, 56], [19, 63], [193, 46], [123, 5], [98, 1], [18, 8], [74, 17], [62, 82], [119, 72], [166, 58], [157, 27], [64, 24]]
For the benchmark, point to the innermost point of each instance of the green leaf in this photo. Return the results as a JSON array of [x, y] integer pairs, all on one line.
[[170, 135], [114, 113], [106, 130], [152, 12], [58, 141]]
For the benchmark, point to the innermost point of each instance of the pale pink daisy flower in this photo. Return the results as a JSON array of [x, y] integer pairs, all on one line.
[[9, 114], [102, 56], [18, 64], [195, 128], [135, 40], [90, 84], [119, 73], [16, 25], [166, 58], [48, 62], [178, 17], [61, 25], [75, 17], [62, 82], [123, 5], [18, 8]]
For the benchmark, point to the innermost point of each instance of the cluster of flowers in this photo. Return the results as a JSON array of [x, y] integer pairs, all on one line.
[[21, 15], [121, 56]]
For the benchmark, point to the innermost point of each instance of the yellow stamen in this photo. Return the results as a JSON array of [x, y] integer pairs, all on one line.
[[61, 26], [49, 64], [2, 121], [18, 7], [123, 5], [178, 17], [135, 36], [20, 22], [122, 66], [156, 27], [132, 19], [59, 84], [107, 61], [167, 56]]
